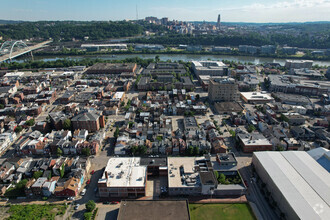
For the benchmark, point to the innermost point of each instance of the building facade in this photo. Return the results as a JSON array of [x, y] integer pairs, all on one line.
[[223, 90]]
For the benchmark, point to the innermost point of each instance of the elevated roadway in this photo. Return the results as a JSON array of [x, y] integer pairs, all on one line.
[[11, 54]]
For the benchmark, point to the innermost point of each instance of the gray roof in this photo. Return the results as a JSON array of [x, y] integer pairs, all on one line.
[[86, 116], [302, 181]]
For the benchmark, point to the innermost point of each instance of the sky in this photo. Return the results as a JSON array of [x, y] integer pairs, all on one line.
[[185, 10]]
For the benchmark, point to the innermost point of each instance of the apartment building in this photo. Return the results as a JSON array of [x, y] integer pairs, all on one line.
[[225, 89]]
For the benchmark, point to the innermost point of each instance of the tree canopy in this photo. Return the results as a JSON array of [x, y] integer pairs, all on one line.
[[90, 205], [67, 30]]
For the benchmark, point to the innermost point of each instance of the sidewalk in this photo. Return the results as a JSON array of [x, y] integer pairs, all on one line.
[[241, 199]]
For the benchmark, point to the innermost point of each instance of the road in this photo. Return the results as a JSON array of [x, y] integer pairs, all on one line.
[[98, 162], [23, 51], [254, 195]]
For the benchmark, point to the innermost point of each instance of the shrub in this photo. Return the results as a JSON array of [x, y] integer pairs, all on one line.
[[88, 215]]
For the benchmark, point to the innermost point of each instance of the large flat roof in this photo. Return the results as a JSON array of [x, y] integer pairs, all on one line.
[[124, 172], [188, 169], [153, 209], [301, 180], [256, 96]]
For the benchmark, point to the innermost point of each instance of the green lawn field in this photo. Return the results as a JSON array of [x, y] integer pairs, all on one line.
[[221, 212]]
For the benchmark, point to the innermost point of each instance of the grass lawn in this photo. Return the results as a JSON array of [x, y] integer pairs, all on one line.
[[36, 212], [220, 211]]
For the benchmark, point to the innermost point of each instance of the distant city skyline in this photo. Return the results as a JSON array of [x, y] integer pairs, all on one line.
[[259, 11]]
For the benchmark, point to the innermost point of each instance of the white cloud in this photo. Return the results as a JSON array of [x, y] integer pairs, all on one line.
[[283, 5]]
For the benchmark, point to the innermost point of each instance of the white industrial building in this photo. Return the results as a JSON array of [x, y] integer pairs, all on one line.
[[299, 185]]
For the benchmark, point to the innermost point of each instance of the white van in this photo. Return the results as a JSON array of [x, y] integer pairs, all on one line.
[[83, 192]]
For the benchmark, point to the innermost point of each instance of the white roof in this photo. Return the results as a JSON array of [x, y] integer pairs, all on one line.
[[174, 164], [104, 45], [125, 172], [301, 180], [215, 63], [118, 95], [256, 96], [14, 74]]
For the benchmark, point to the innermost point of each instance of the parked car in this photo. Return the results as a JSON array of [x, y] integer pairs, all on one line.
[[76, 207], [83, 192], [246, 183], [88, 181], [114, 202], [92, 172], [70, 198], [106, 202], [95, 190]]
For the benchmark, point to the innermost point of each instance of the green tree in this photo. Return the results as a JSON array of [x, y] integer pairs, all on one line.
[[30, 122], [116, 133], [190, 151], [37, 174], [232, 132], [130, 124], [2, 106], [62, 170], [67, 124], [251, 128], [196, 151], [216, 174], [18, 129], [279, 148], [86, 151], [157, 59], [59, 152], [90, 205], [142, 149], [222, 178]]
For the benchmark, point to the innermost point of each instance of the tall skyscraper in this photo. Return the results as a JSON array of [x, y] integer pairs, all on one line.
[[218, 22]]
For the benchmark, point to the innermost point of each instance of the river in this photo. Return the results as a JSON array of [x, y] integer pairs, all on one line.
[[183, 57]]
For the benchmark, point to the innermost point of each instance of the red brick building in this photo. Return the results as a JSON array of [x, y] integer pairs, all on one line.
[[68, 189], [91, 121], [253, 142]]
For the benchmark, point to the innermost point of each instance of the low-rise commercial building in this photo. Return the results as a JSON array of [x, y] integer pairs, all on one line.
[[123, 177], [256, 97], [253, 142], [298, 64]]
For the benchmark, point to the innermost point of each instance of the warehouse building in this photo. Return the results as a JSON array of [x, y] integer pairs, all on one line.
[[299, 185]]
